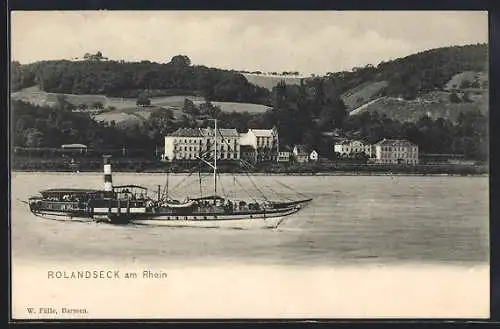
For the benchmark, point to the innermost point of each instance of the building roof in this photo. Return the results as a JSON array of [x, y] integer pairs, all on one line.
[[262, 132], [225, 132], [349, 141], [222, 131], [394, 142], [186, 132], [229, 132]]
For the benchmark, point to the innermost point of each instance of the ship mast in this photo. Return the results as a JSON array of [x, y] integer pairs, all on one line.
[[214, 165], [215, 161]]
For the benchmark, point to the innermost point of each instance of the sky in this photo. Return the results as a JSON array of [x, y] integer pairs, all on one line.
[[305, 41]]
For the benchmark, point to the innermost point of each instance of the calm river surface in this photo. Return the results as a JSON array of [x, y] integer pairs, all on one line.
[[352, 219]]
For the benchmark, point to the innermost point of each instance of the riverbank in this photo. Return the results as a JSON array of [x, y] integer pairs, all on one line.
[[318, 169]]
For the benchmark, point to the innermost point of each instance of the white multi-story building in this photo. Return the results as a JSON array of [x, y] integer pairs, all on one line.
[[228, 146], [184, 144], [350, 147], [396, 151], [189, 144], [263, 141]]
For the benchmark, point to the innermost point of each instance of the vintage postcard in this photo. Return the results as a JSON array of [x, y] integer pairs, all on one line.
[[244, 165]]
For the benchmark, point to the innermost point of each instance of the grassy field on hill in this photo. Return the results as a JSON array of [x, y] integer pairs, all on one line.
[[270, 81], [435, 105], [125, 109], [363, 94], [458, 80]]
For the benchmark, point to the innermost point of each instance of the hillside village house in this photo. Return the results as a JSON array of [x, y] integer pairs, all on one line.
[[348, 148], [284, 155], [301, 154], [313, 156], [395, 151], [191, 143]]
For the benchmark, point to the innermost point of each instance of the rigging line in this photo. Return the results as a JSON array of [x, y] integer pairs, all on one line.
[[182, 181], [255, 185], [223, 192], [188, 185], [199, 177], [270, 188], [194, 181], [286, 186], [245, 190], [262, 181], [235, 181], [266, 184]]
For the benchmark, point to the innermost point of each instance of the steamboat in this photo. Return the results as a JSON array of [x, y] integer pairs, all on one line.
[[134, 204]]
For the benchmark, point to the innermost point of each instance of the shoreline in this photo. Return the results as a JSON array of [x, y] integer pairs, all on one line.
[[360, 173]]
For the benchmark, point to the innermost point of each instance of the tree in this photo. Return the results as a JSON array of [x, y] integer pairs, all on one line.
[[180, 61], [466, 98], [63, 104], [143, 100], [465, 84], [454, 98], [24, 122], [97, 57], [33, 137], [83, 106], [339, 110], [97, 105], [190, 108], [209, 109]]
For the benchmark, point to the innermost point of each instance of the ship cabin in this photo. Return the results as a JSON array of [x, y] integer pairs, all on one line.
[[130, 192], [220, 204], [69, 194], [135, 196], [64, 200]]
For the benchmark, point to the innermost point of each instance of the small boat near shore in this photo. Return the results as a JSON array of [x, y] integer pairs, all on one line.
[[132, 204]]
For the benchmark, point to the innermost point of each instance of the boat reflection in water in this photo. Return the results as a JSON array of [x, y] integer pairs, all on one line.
[[132, 204]]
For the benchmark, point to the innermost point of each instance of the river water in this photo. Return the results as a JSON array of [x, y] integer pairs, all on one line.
[[351, 220]]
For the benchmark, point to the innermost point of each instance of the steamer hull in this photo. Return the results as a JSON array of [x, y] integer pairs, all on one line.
[[237, 221], [64, 216]]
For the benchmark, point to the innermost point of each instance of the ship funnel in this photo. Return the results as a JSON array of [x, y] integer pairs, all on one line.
[[108, 178]]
